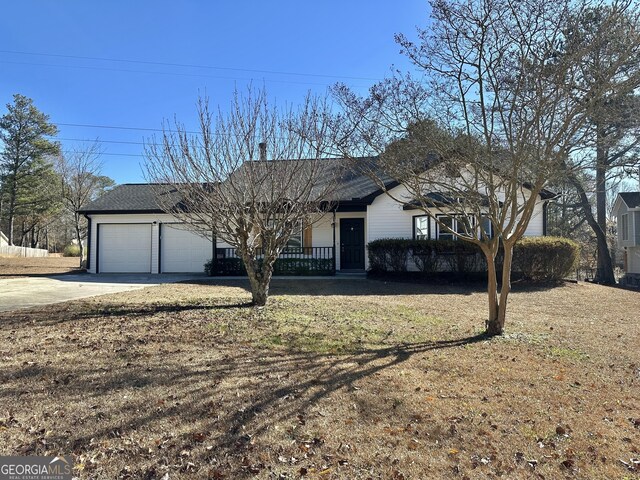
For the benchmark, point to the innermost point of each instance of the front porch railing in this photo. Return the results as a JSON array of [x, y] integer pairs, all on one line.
[[292, 261]]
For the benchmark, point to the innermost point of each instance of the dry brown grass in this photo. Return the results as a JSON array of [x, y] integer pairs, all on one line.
[[334, 379], [40, 266]]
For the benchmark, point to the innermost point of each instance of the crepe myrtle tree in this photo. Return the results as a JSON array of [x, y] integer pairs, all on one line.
[[507, 118], [251, 174]]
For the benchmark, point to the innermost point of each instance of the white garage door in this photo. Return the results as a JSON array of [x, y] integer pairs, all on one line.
[[124, 248], [182, 250]]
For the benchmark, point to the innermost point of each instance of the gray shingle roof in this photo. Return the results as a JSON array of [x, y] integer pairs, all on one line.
[[355, 189], [141, 197], [632, 199], [130, 197]]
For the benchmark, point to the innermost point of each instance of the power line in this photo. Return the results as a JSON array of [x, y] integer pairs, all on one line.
[[70, 152], [97, 140], [118, 127], [145, 129], [188, 65], [85, 67]]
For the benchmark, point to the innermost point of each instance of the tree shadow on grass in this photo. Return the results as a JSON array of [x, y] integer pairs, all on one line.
[[231, 396], [41, 316]]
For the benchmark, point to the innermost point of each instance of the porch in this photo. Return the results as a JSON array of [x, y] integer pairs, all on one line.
[[293, 261]]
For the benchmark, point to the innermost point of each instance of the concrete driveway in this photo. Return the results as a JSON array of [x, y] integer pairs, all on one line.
[[25, 292]]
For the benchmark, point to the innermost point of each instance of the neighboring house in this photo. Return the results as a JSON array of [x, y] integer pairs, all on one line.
[[627, 211], [4, 241], [128, 232]]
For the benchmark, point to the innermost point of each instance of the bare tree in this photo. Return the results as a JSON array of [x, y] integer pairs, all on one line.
[[507, 119], [608, 35], [80, 183], [251, 176]]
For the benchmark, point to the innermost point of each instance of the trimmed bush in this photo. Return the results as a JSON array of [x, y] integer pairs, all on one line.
[[545, 258], [283, 266], [71, 251], [429, 256], [534, 258], [389, 254]]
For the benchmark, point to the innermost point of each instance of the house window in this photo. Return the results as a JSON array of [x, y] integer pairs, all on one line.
[[486, 226], [422, 227], [624, 226], [294, 244], [453, 223]]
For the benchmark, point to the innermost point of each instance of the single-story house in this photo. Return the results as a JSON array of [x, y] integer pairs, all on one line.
[[128, 232], [627, 211]]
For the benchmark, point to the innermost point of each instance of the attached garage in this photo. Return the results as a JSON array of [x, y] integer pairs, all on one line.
[[124, 248], [182, 250]]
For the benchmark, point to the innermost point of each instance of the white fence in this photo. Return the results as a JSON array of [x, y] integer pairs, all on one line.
[[23, 251]]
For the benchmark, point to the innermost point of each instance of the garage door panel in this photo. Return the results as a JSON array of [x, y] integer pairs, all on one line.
[[125, 248], [184, 251]]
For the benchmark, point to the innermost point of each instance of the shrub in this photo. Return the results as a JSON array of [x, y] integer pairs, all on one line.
[[460, 256], [282, 266], [423, 256], [545, 258], [71, 251], [391, 255]]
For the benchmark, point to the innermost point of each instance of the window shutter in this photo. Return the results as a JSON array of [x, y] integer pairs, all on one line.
[[307, 236]]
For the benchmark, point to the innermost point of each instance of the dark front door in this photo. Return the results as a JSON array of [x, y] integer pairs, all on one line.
[[352, 244]]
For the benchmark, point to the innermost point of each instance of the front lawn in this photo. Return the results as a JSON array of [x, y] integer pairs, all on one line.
[[14, 267], [334, 379]]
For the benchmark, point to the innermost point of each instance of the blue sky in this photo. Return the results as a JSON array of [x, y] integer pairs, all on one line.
[[289, 46]]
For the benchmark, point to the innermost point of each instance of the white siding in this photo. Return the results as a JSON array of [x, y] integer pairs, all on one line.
[[623, 210], [536, 224], [387, 219], [155, 235], [322, 235], [633, 260]]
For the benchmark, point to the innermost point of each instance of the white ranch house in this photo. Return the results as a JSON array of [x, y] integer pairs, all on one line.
[[129, 233]]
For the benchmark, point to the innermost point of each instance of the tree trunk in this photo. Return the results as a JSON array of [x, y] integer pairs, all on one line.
[[259, 279], [495, 326], [492, 288], [605, 265], [11, 225], [604, 271]]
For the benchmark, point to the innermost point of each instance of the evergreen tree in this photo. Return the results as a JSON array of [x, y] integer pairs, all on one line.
[[25, 166]]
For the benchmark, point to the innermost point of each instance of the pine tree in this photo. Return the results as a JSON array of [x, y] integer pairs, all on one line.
[[25, 161]]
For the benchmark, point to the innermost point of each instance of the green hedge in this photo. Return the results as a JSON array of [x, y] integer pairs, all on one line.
[[535, 258], [545, 258], [283, 266], [392, 255]]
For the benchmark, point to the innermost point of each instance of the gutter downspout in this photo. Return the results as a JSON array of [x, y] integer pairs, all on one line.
[[88, 264]]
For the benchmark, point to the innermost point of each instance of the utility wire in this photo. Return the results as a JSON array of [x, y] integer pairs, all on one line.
[[97, 154], [188, 65], [85, 67], [119, 127]]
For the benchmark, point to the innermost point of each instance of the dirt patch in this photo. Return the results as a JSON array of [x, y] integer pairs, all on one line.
[[11, 267], [334, 379]]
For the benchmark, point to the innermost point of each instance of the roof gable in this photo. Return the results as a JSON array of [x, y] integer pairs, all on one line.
[[631, 199]]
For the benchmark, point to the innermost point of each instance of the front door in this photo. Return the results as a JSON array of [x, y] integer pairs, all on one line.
[[352, 244]]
